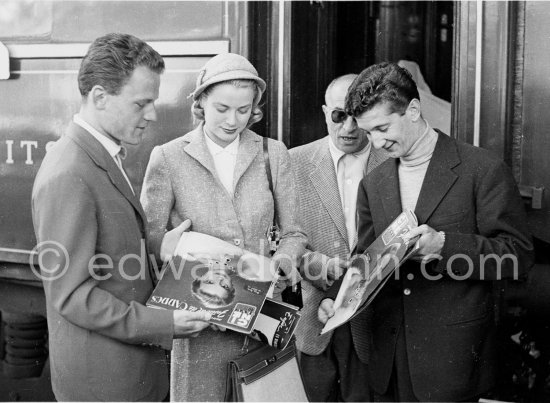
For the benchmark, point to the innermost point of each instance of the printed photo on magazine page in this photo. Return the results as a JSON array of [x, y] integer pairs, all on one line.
[[228, 288], [369, 271], [276, 323]]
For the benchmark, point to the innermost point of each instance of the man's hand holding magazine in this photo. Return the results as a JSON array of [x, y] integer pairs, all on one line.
[[369, 271], [430, 243], [214, 283], [326, 310]]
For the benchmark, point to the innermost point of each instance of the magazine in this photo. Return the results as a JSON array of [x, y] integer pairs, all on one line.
[[369, 271], [276, 323], [199, 245], [232, 284], [223, 287]]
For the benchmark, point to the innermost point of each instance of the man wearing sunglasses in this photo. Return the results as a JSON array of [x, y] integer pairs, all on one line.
[[327, 174], [430, 331]]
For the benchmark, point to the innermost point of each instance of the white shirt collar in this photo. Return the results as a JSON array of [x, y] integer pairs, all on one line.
[[112, 148], [336, 153], [232, 148]]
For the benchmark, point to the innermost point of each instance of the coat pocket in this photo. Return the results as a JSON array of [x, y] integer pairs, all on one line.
[[454, 219], [472, 319]]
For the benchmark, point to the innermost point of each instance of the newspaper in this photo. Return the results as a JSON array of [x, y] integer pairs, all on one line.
[[368, 272]]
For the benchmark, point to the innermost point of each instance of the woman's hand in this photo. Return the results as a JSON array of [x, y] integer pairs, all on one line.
[[203, 245], [171, 239]]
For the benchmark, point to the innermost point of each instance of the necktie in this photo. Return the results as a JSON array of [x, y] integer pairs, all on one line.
[[122, 153], [118, 158]]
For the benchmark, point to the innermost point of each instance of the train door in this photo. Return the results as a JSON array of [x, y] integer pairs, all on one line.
[[534, 166], [329, 39], [500, 88]]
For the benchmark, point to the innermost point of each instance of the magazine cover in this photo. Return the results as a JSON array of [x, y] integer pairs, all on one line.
[[368, 272], [276, 323], [230, 289]]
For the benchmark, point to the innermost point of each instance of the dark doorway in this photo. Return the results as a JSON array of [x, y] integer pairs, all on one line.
[[329, 39]]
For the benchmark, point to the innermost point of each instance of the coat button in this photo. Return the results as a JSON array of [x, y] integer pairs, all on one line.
[[407, 291], [237, 242]]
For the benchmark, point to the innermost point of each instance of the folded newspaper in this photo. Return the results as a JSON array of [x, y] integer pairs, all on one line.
[[369, 271], [228, 282]]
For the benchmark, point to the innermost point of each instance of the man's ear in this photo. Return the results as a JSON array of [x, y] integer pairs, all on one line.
[[413, 110], [98, 96]]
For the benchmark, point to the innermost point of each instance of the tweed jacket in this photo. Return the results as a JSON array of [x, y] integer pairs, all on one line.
[[445, 310], [180, 183], [101, 335], [322, 217]]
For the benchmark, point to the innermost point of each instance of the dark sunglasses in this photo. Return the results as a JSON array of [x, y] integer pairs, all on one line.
[[338, 115]]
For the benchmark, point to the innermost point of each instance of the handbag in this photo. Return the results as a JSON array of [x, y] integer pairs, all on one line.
[[292, 294], [265, 374]]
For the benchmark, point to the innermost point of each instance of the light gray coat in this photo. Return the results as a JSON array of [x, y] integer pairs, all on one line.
[[181, 182]]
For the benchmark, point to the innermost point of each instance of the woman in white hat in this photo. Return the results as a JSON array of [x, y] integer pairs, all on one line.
[[215, 176]]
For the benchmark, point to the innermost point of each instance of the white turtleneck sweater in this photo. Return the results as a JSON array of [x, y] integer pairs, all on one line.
[[413, 166]]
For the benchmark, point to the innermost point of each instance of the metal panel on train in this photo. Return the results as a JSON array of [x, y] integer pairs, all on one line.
[[41, 95], [535, 164]]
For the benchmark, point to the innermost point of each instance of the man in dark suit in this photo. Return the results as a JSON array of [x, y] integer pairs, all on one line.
[[104, 343], [327, 174], [429, 333]]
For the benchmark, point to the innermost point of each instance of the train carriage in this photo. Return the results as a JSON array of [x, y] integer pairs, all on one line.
[[485, 63]]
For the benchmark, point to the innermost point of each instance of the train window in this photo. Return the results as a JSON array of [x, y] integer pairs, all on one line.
[[25, 20], [68, 21], [158, 21]]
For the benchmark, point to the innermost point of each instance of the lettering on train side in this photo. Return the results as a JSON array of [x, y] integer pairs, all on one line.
[[24, 151]]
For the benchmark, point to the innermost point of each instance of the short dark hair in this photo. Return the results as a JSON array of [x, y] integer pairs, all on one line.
[[111, 60], [381, 83]]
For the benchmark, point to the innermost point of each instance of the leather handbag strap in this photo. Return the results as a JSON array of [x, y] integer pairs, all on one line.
[[269, 177], [291, 295], [256, 363]]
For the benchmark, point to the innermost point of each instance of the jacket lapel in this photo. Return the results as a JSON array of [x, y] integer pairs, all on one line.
[[323, 178], [387, 189], [439, 177], [103, 159], [248, 150], [376, 157], [198, 149]]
